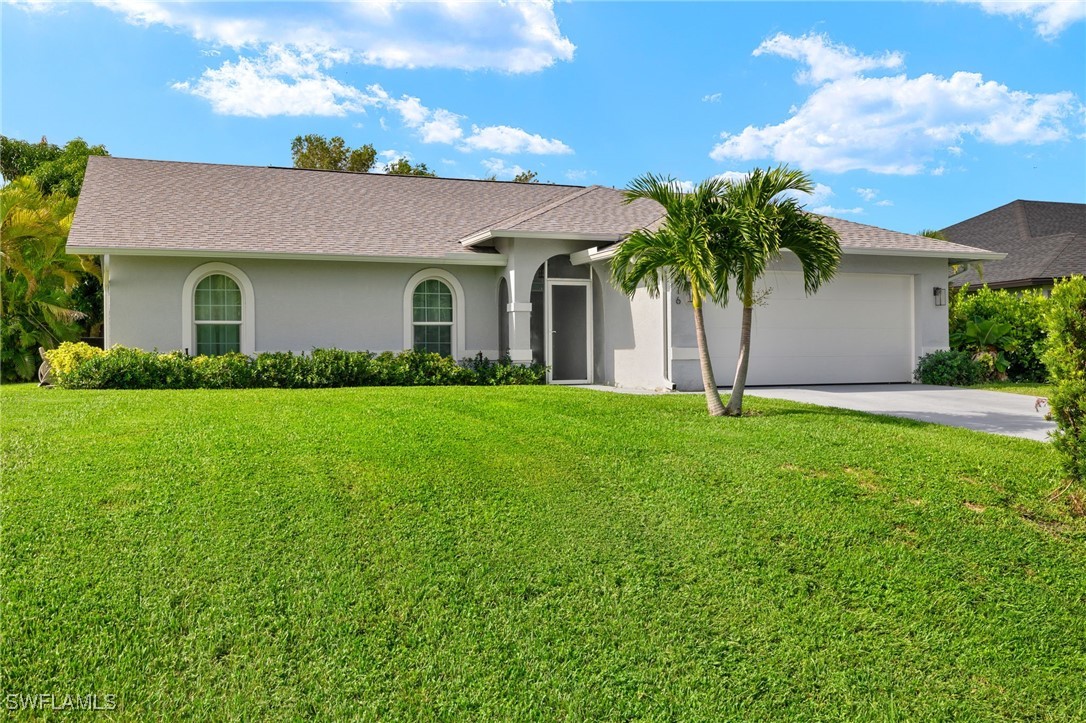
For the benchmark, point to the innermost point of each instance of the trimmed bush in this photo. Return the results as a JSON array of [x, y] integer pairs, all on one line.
[[69, 355], [125, 368], [950, 367], [1025, 314], [1065, 356]]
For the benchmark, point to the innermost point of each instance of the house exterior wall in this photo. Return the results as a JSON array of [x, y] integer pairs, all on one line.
[[299, 305], [930, 322], [631, 351]]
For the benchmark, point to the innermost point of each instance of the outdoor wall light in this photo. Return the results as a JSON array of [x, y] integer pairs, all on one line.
[[940, 295]]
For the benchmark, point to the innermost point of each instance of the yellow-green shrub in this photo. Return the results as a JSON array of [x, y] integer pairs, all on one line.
[[67, 357]]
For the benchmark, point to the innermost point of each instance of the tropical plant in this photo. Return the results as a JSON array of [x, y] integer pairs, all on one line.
[[760, 219], [988, 340], [678, 251], [38, 276], [1024, 311]]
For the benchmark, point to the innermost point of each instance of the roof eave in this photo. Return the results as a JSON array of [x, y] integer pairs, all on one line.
[[462, 259], [597, 254], [494, 233]]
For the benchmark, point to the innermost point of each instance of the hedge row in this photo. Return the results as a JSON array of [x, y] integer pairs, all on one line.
[[80, 366]]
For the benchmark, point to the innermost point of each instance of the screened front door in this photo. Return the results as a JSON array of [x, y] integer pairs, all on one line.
[[569, 321]]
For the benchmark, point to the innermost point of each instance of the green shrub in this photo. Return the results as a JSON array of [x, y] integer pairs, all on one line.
[[1065, 356], [1067, 407], [69, 355], [950, 367], [227, 371], [1025, 314], [504, 372], [124, 368]]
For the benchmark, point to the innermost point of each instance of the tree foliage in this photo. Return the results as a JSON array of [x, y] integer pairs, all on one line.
[[404, 167], [331, 154], [760, 219], [1065, 356], [53, 168], [526, 177], [679, 251], [36, 308]]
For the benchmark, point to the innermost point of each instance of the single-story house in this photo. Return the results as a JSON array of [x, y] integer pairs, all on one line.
[[212, 258], [1043, 241]]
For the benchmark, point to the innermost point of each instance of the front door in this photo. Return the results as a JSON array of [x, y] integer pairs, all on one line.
[[569, 331]]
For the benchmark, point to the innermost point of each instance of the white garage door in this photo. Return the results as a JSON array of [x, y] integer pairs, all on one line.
[[858, 328]]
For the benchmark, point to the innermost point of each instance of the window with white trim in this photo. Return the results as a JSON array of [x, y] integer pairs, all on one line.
[[217, 315], [432, 317]]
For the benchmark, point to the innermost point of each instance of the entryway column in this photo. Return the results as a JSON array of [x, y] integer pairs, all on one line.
[[518, 313]]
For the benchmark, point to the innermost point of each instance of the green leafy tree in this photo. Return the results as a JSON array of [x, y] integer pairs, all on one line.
[[54, 169], [760, 219], [681, 251], [404, 167], [20, 158], [36, 307], [331, 154], [526, 177]]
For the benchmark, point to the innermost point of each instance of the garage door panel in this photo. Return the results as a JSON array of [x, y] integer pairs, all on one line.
[[858, 328]]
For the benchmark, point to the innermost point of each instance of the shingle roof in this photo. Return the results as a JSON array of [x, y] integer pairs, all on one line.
[[161, 206], [1043, 240]]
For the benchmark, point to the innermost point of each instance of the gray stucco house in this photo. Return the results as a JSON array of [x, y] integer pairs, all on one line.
[[210, 258]]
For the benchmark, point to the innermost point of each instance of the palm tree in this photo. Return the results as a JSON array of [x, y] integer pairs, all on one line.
[[760, 218], [38, 276], [679, 251]]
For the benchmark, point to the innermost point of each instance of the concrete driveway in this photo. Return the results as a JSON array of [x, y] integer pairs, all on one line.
[[993, 412]]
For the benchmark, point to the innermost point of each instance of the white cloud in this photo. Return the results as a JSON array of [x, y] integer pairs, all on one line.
[[867, 194], [831, 211], [443, 127], [897, 124], [497, 168], [939, 171], [824, 59], [579, 176], [514, 37], [1051, 17], [885, 202], [711, 98], [290, 82], [505, 139], [280, 82]]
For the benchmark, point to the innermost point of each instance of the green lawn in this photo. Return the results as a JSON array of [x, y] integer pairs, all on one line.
[[1031, 389], [530, 553]]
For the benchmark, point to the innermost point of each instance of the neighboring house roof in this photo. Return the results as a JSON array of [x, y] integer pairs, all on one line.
[[1043, 240], [201, 209]]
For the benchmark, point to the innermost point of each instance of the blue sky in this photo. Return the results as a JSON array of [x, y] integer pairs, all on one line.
[[906, 115]]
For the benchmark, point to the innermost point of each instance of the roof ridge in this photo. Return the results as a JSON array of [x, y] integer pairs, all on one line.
[[270, 167], [530, 213]]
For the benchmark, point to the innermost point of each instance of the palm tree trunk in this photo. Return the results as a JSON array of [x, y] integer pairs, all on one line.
[[739, 386], [712, 396]]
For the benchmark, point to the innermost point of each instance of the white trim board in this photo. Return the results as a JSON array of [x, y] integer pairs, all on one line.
[[461, 259]]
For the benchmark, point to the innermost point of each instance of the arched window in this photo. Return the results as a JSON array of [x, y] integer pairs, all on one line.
[[217, 311], [434, 313], [217, 315], [432, 317]]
